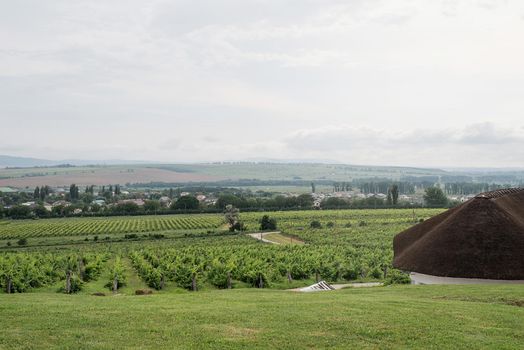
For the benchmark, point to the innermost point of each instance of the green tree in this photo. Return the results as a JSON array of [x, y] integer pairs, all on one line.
[[232, 216], [334, 203], [267, 223], [435, 197], [152, 206], [40, 211], [36, 193], [126, 208], [44, 191], [74, 192], [186, 203], [229, 199], [19, 212], [305, 201], [394, 194]]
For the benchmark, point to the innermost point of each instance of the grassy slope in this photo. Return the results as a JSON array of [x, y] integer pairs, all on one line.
[[389, 317]]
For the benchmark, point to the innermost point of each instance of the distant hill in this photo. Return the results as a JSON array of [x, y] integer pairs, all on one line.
[[9, 161], [27, 162], [29, 172]]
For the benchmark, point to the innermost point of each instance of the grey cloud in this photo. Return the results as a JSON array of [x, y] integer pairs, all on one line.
[[171, 144], [491, 4], [489, 134], [180, 17], [251, 72], [479, 144], [211, 139], [346, 137]]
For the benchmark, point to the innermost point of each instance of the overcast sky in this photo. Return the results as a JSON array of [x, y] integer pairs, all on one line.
[[396, 82]]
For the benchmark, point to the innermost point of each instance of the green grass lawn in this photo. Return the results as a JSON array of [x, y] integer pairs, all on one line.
[[437, 317]]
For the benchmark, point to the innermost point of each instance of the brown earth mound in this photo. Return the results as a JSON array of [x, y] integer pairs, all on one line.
[[143, 292], [482, 238]]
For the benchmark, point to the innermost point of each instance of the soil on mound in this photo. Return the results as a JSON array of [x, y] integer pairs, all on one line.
[[482, 238]]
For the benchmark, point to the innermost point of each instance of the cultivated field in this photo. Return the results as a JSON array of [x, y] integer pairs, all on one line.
[[105, 225], [184, 173], [85, 176], [196, 252]]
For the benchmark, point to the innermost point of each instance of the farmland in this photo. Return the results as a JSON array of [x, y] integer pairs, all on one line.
[[240, 299], [110, 225], [187, 173], [94, 175], [196, 250]]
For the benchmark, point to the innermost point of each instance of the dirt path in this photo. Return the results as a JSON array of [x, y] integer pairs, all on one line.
[[260, 236]]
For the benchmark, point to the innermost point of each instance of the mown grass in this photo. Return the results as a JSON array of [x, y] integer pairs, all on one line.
[[424, 317], [282, 239]]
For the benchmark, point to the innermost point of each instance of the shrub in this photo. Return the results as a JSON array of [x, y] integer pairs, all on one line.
[[154, 279], [76, 285], [377, 273], [184, 277], [217, 275], [237, 226], [315, 224], [362, 223], [330, 224], [117, 274], [267, 223], [350, 272], [397, 277], [347, 225], [22, 241]]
